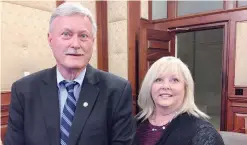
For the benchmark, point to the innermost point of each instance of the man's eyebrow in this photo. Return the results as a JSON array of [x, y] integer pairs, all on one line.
[[81, 31], [66, 29]]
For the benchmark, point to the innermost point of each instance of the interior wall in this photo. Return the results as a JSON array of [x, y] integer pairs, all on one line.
[[24, 46], [117, 38], [144, 9], [240, 58]]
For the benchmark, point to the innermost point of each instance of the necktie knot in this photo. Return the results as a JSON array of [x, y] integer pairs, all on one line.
[[69, 85]]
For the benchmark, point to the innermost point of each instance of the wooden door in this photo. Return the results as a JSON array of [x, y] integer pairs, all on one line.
[[153, 44], [237, 115], [5, 101]]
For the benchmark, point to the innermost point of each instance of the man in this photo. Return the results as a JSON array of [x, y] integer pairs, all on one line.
[[71, 103]]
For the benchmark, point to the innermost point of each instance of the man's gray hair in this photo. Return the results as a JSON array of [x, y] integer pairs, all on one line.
[[72, 8]]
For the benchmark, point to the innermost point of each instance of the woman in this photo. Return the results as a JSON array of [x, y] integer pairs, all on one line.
[[169, 115]]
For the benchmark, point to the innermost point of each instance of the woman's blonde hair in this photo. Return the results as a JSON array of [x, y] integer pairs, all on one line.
[[163, 65]]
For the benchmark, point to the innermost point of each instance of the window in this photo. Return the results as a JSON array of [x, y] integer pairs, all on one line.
[[192, 7], [159, 10]]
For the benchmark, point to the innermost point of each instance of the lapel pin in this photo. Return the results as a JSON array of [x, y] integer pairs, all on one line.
[[85, 104]]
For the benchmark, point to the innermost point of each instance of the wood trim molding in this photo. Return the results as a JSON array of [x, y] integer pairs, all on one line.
[[150, 10], [239, 99], [223, 14], [134, 15], [235, 110], [102, 35], [59, 2], [5, 102], [231, 57], [171, 9]]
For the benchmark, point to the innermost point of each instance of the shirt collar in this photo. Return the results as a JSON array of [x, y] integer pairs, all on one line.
[[78, 79]]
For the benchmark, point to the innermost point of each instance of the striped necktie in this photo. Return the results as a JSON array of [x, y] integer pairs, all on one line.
[[68, 112]]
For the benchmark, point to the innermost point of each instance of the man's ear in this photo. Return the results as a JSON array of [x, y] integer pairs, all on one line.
[[49, 38]]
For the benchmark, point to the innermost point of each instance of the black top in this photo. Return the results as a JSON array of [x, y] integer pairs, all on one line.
[[188, 130]]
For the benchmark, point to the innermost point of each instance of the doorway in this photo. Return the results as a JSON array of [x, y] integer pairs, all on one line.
[[202, 51]]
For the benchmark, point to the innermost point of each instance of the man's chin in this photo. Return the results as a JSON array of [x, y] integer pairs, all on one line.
[[75, 66]]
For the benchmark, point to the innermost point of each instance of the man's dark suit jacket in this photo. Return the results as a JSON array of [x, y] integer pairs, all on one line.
[[35, 118]]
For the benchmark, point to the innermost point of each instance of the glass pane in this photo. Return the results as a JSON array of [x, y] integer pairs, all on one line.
[[159, 9], [242, 3], [202, 52], [192, 7]]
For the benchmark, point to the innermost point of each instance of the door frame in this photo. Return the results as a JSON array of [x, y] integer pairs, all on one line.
[[225, 63]]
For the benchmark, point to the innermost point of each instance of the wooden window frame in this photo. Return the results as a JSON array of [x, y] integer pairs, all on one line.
[[172, 7], [102, 35]]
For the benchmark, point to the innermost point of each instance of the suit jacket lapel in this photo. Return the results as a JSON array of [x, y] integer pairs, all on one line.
[[88, 95], [50, 106]]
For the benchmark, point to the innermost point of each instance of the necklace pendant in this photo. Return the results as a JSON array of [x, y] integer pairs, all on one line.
[[153, 129], [163, 127]]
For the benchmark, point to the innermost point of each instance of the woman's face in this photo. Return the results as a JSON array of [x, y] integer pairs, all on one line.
[[168, 91]]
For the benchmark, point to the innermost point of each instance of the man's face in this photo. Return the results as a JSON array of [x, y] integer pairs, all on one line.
[[71, 40]]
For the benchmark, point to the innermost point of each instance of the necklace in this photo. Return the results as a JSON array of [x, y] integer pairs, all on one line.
[[162, 127], [157, 128]]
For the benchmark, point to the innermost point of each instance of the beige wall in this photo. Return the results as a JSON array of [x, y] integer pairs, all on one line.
[[144, 9], [24, 39], [24, 47], [241, 52], [117, 38], [1, 41]]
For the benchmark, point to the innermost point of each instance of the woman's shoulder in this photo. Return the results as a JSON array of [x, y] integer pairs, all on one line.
[[205, 133], [200, 125], [195, 121]]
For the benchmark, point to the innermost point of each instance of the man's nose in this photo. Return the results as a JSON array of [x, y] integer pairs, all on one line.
[[75, 42]]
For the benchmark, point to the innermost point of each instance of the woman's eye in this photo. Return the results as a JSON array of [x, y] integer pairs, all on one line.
[[175, 80], [158, 80]]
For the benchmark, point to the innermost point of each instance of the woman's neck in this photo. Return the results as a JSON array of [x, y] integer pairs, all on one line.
[[161, 117]]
